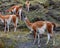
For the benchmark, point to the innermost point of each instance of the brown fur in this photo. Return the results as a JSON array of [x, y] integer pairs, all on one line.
[[40, 24], [16, 6], [7, 17]]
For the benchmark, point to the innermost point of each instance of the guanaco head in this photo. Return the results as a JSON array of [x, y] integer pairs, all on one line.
[[25, 18]]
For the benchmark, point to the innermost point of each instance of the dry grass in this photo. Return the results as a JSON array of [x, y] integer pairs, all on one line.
[[13, 38]]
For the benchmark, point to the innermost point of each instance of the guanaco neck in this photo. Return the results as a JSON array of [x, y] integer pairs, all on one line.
[[1, 16], [28, 23]]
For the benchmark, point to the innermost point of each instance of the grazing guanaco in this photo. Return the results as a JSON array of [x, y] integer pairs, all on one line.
[[17, 9], [6, 19], [39, 27]]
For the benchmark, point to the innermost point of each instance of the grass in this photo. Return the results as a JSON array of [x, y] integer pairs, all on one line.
[[12, 34], [11, 39]]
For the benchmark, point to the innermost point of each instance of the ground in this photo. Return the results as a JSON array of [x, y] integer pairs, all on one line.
[[23, 39]]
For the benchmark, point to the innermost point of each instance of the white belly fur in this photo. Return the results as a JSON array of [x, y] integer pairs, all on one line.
[[9, 20], [42, 29], [14, 10]]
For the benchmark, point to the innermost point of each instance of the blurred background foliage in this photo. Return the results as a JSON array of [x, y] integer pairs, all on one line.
[[39, 10]]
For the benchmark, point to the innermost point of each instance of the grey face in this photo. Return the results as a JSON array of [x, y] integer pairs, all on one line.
[[23, 16]]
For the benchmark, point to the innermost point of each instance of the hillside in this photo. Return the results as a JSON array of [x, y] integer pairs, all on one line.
[[48, 10], [45, 9]]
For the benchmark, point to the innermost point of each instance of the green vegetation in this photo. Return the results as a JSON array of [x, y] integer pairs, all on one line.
[[22, 36], [11, 39]]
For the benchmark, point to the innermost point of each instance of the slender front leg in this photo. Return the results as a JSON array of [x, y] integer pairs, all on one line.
[[5, 29], [38, 40], [48, 38], [53, 41], [14, 29], [15, 26], [8, 27], [53, 38], [5, 26], [35, 37]]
